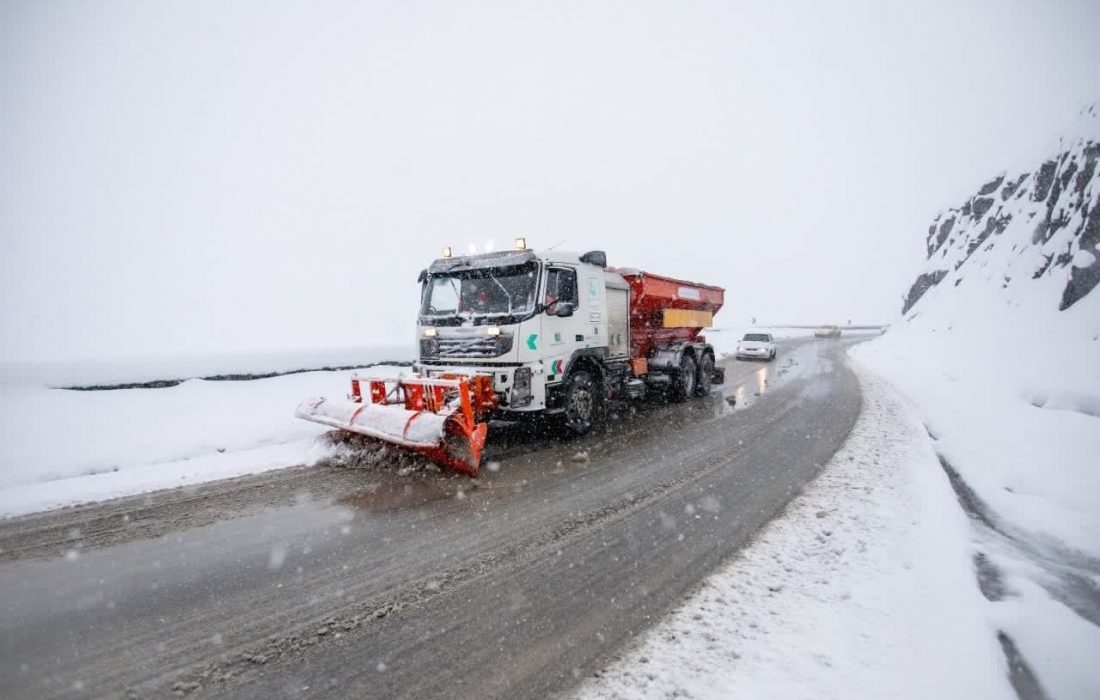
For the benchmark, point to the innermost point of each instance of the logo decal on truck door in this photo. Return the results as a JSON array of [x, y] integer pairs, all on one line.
[[531, 341]]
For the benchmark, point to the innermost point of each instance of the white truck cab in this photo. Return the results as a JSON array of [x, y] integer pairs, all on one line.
[[525, 317]]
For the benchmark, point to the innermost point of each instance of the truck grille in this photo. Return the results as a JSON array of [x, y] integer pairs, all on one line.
[[465, 348]]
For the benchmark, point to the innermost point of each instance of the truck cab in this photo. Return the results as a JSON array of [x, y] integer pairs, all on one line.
[[526, 318]]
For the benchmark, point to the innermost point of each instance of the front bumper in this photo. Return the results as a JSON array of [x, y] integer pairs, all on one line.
[[512, 383]]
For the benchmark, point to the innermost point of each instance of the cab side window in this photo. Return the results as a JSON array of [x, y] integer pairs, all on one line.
[[561, 285]]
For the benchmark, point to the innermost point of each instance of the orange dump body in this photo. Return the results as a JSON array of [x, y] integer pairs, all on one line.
[[665, 310]]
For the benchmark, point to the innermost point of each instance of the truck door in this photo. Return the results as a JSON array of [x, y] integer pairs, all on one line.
[[562, 335]]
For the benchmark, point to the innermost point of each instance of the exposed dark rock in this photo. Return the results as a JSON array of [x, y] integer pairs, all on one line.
[[1065, 217], [981, 206], [920, 286], [1044, 180], [991, 186], [1041, 228], [1090, 232], [1082, 280], [993, 225], [1088, 171], [945, 231], [1067, 175], [1047, 260], [1048, 225], [1011, 187]]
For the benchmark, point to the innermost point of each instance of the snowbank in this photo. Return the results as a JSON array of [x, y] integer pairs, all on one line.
[[1000, 351], [861, 589], [63, 447], [1005, 371]]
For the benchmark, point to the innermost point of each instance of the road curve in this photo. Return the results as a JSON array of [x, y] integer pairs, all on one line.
[[338, 582]]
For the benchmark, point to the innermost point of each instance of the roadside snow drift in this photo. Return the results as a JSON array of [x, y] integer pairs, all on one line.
[[1003, 351], [861, 589], [1000, 350], [63, 446]]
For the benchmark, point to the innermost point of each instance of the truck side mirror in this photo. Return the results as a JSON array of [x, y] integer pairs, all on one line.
[[565, 309], [422, 276]]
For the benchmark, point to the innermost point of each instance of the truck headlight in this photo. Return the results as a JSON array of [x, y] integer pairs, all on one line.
[[521, 388]]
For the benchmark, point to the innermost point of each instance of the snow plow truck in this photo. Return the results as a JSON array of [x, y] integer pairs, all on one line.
[[517, 333]]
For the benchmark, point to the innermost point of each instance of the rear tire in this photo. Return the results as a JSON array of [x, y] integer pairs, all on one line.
[[706, 376], [582, 403], [684, 382]]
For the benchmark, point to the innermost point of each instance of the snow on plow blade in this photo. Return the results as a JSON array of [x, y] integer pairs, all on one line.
[[438, 417], [393, 424]]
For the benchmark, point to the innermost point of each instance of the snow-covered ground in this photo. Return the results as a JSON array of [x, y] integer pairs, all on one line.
[[63, 447], [1001, 355], [863, 588], [954, 543]]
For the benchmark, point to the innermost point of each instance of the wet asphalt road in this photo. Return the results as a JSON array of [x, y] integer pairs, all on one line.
[[338, 582]]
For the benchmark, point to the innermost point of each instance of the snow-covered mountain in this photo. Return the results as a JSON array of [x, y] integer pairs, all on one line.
[[999, 350], [1043, 225]]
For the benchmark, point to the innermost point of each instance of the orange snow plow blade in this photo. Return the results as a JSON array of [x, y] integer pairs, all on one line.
[[442, 418]]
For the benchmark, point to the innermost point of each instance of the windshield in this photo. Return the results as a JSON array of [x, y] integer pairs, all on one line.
[[757, 337], [497, 291]]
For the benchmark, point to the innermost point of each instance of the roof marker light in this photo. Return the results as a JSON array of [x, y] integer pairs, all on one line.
[[447, 251], [521, 244]]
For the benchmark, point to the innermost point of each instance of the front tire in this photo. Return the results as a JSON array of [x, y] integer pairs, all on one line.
[[685, 380], [581, 403]]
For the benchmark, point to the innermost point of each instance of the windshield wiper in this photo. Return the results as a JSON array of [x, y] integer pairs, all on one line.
[[502, 288]]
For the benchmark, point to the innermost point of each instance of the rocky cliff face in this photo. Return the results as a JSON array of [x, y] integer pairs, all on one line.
[[1038, 225]]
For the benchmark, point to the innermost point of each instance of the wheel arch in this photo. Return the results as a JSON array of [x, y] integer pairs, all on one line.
[[589, 359]]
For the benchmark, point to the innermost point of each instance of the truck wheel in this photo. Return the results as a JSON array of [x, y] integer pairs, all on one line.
[[581, 403], [684, 384], [706, 376]]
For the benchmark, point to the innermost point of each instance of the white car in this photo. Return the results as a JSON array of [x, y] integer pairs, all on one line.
[[756, 346]]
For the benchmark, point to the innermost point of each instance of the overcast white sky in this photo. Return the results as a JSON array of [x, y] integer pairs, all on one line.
[[205, 177]]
